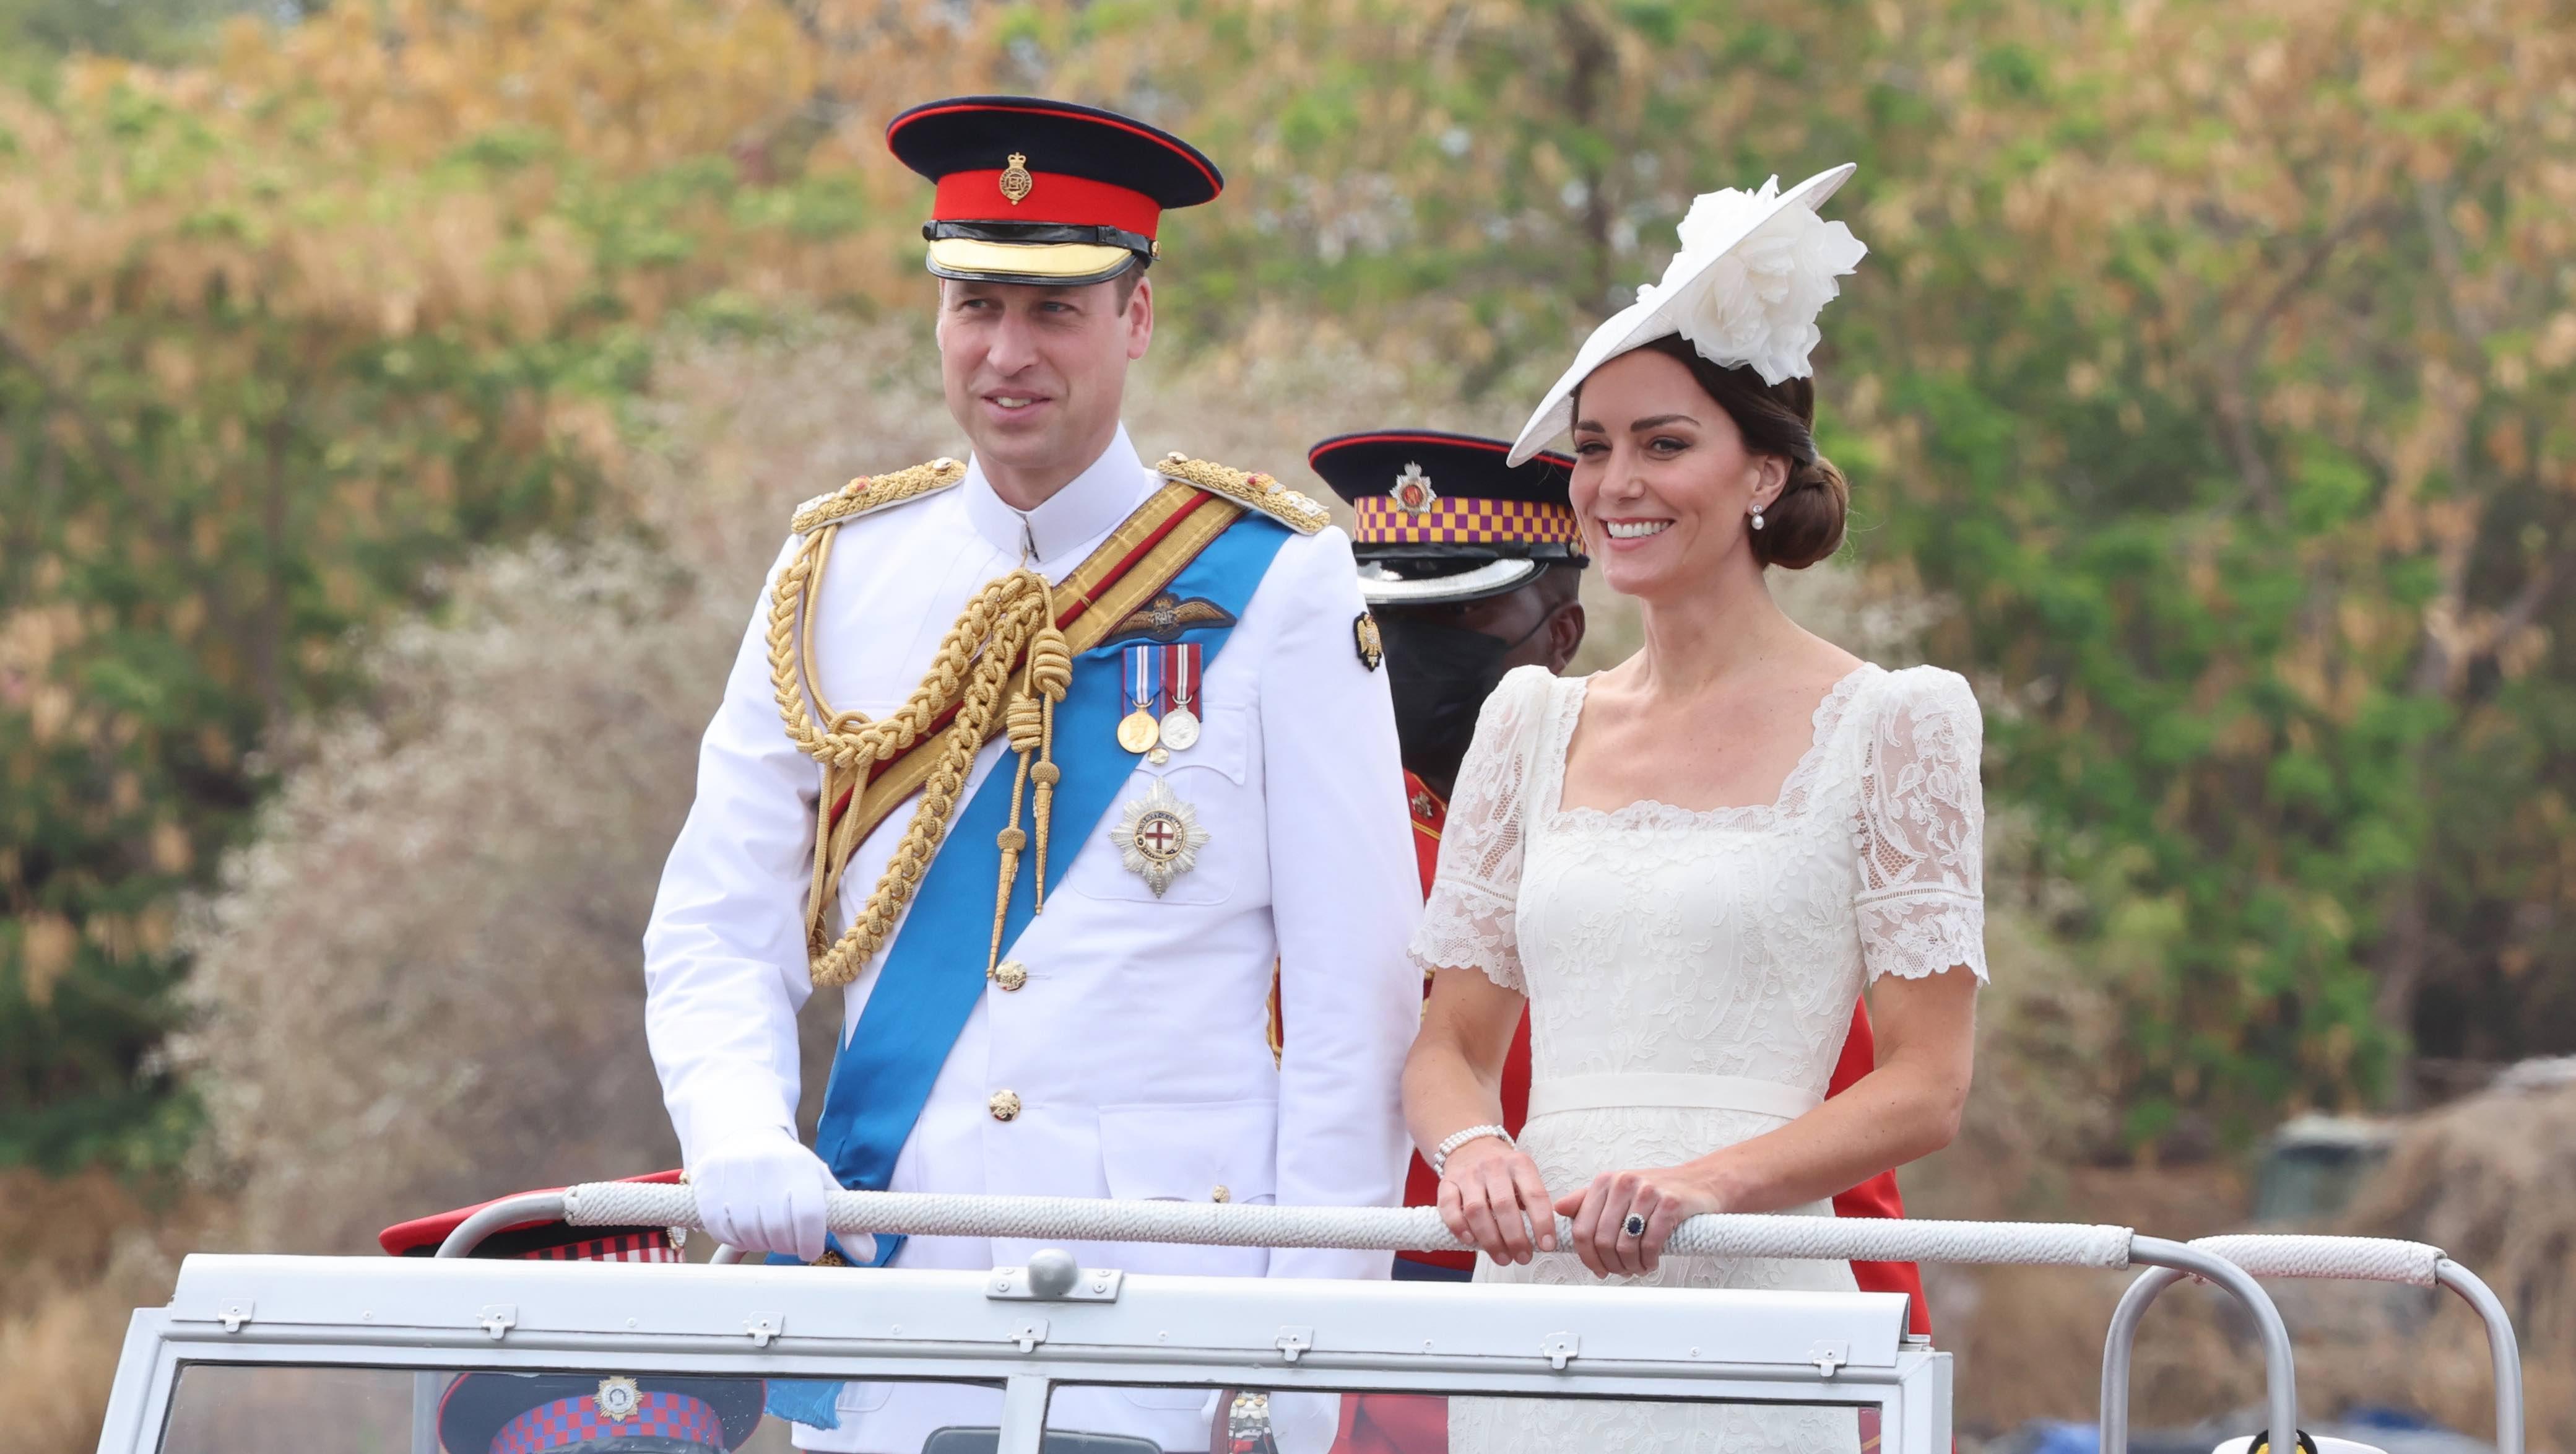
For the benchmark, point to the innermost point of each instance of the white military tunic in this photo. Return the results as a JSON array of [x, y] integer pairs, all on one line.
[[1137, 1047]]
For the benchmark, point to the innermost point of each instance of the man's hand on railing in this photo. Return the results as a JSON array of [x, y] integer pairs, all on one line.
[[765, 1193]]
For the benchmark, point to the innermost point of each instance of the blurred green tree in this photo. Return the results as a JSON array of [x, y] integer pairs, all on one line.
[[2213, 363], [280, 333], [36, 32]]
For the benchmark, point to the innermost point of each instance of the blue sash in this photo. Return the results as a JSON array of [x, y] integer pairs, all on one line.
[[933, 976]]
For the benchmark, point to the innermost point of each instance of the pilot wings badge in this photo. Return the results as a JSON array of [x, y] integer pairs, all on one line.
[[1159, 837]]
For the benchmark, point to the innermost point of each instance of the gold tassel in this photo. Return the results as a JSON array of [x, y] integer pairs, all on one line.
[[1051, 674], [1023, 727], [1030, 722]]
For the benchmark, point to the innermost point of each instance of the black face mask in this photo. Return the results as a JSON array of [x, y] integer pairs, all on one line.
[[1441, 676]]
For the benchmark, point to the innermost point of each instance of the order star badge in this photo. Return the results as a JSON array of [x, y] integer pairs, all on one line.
[[1159, 837], [618, 1399]]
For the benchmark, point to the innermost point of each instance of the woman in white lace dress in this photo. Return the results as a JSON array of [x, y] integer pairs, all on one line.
[[1689, 865]]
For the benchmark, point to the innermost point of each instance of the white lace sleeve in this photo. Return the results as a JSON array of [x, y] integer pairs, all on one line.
[[1922, 829], [1470, 920]]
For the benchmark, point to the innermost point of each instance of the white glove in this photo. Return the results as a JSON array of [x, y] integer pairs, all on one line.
[[764, 1193]]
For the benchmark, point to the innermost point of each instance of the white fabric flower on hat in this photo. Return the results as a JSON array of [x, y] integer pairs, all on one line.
[[1755, 302], [1754, 270]]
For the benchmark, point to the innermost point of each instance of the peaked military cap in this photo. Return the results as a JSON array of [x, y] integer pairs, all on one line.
[[1442, 517], [1049, 192], [576, 1413], [579, 1413], [541, 1240]]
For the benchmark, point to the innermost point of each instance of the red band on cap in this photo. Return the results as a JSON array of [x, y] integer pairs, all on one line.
[[1053, 197]]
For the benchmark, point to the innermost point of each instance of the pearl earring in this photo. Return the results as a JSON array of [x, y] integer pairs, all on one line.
[[1757, 519]]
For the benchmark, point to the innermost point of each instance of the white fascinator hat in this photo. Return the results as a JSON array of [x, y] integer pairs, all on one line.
[[1754, 270]]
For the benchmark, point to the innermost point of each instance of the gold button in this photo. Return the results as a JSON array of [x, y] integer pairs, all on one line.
[[1010, 974], [1220, 1194], [1005, 1105]]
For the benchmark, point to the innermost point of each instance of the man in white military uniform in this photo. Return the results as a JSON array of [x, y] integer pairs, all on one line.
[[1049, 758]]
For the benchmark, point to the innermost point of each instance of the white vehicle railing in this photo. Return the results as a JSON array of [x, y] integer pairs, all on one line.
[[2028, 1244], [2355, 1259]]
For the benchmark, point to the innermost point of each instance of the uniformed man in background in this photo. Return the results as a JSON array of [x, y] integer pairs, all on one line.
[[1045, 757]]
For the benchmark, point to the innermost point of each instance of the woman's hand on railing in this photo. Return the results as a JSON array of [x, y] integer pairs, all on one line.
[[1491, 1195], [1624, 1218]]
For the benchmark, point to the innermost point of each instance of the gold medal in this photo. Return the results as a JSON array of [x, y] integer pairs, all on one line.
[[1180, 730], [1137, 731]]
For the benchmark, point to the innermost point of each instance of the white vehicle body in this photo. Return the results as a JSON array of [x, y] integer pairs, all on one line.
[[445, 1317]]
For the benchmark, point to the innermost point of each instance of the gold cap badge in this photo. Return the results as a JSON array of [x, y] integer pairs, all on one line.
[[619, 1399], [1016, 181], [1412, 491]]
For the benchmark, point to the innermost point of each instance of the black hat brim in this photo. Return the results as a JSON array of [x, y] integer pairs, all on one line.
[[940, 137]]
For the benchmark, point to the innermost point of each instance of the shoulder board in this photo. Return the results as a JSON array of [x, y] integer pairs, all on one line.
[[870, 493], [1291, 508]]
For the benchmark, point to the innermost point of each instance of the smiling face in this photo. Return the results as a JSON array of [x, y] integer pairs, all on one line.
[[1034, 375], [1662, 480]]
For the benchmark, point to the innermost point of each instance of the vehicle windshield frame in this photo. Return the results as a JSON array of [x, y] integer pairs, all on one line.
[[439, 1316]]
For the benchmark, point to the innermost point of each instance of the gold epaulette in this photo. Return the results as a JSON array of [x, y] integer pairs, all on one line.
[[1291, 508], [870, 493]]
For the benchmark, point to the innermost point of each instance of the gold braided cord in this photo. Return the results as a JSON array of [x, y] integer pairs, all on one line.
[[972, 666], [1103, 601], [975, 666]]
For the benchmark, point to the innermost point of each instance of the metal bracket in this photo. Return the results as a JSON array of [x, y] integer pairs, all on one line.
[[1030, 1334], [498, 1319], [1294, 1340], [1090, 1285], [762, 1327], [1829, 1357], [235, 1314], [1561, 1349]]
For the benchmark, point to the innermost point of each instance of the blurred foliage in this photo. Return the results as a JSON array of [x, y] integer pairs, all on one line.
[[36, 34], [2212, 363], [280, 332]]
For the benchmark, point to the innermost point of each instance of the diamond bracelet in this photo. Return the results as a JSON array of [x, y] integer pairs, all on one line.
[[1440, 1155]]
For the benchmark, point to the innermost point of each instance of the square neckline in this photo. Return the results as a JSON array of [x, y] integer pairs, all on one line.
[[1570, 695]]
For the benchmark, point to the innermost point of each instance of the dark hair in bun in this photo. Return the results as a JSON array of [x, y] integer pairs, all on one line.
[[1805, 524]]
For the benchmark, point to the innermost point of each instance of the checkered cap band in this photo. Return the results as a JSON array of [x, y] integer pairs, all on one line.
[[571, 1420], [622, 1247], [1465, 520]]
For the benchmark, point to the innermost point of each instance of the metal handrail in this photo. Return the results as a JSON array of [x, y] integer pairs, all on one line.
[[2504, 1349], [2168, 1262]]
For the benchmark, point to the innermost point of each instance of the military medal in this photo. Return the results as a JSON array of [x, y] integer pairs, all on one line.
[[1180, 727], [1159, 837], [1138, 731]]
